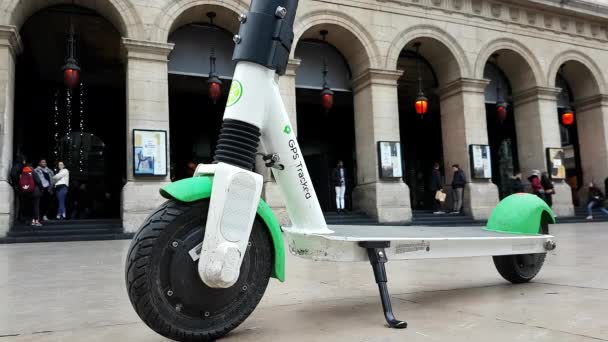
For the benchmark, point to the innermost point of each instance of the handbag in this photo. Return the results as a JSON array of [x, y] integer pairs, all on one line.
[[440, 195]]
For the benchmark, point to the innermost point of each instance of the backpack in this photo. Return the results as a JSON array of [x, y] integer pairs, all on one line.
[[26, 182]]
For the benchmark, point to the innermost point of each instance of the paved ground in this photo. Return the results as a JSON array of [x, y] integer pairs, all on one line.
[[75, 292]]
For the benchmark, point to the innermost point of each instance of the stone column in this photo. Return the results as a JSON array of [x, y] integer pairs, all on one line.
[[147, 108], [537, 127], [271, 192], [592, 124], [463, 123], [377, 119], [10, 46]]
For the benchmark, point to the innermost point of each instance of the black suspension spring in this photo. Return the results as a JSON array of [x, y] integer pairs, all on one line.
[[237, 144]]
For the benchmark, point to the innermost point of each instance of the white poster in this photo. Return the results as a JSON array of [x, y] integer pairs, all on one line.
[[390, 159], [481, 161], [149, 153]]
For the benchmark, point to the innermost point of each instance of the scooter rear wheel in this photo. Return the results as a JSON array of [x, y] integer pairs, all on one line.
[[163, 282], [521, 268]]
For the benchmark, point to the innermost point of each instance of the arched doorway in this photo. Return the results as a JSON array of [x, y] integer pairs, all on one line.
[[326, 134], [83, 126], [501, 127], [421, 137], [580, 138], [196, 114]]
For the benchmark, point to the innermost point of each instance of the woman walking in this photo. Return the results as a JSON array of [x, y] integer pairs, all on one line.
[[62, 180]]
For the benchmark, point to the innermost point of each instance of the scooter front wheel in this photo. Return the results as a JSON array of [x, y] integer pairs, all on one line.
[[163, 282]]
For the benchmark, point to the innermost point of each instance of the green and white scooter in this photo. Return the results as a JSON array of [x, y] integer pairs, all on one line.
[[201, 262]]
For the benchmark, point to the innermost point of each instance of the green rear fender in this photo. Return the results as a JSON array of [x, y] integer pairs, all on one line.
[[520, 214], [197, 188]]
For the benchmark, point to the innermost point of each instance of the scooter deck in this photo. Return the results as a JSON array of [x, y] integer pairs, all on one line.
[[412, 242]]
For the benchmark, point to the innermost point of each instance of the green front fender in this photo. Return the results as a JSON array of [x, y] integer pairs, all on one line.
[[520, 214], [197, 188]]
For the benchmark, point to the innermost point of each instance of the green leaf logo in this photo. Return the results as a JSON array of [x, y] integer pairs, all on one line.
[[236, 92], [287, 129]]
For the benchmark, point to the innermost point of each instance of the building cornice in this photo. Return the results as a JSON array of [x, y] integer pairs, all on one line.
[[377, 77], [538, 15], [9, 37], [535, 94], [462, 85], [591, 102], [146, 50]]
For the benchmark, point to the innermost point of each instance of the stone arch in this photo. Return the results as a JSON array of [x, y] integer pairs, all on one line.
[[178, 13], [581, 72], [121, 13], [449, 66], [517, 61], [349, 37]]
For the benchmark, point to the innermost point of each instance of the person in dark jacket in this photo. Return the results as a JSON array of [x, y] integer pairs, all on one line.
[[338, 179], [436, 185], [595, 199], [15, 175], [458, 182], [535, 184], [548, 187], [517, 185]]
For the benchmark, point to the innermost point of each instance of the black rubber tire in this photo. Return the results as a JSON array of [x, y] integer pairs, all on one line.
[[521, 268], [150, 264]]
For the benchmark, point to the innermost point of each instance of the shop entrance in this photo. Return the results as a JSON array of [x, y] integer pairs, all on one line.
[[83, 126]]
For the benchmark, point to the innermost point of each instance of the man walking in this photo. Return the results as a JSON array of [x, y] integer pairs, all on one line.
[[436, 187], [338, 178], [45, 175], [458, 182]]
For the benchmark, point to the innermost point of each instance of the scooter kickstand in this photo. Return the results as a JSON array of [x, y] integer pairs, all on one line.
[[377, 258]]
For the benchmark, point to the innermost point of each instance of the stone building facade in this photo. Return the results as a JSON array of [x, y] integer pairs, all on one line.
[[534, 37]]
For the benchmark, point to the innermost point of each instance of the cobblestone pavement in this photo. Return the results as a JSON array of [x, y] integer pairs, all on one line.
[[75, 291]]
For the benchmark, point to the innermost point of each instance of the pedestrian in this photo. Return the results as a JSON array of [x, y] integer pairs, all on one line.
[[45, 174], [15, 175], [595, 199], [517, 185], [30, 193], [436, 187], [548, 187], [61, 180], [338, 179], [458, 182], [535, 184]]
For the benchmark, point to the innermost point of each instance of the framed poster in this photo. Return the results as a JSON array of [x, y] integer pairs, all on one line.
[[389, 159], [149, 152], [556, 162], [481, 162]]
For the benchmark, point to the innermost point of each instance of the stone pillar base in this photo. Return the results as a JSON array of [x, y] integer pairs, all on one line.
[[272, 195], [384, 201], [480, 199], [139, 199], [6, 207], [562, 200]]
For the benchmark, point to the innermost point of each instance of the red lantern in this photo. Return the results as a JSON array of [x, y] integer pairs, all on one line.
[[71, 77], [215, 88], [501, 111], [327, 99], [422, 104], [568, 117]]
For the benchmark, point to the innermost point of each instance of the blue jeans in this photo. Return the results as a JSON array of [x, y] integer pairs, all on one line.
[[62, 192], [592, 204]]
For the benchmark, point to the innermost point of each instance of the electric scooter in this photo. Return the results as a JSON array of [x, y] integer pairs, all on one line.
[[199, 264]]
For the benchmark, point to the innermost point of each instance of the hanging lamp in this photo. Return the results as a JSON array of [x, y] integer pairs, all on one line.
[[327, 95], [71, 69], [567, 112], [501, 104], [214, 84], [422, 102]]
